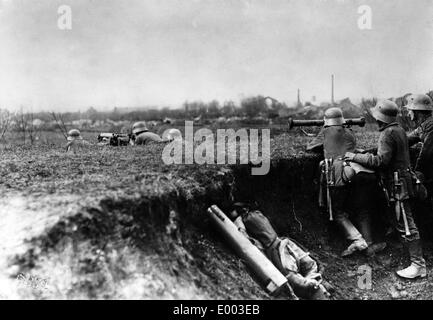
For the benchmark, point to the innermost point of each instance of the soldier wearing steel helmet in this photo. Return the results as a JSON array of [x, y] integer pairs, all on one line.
[[393, 162], [420, 112], [346, 196], [141, 134], [75, 141], [172, 135]]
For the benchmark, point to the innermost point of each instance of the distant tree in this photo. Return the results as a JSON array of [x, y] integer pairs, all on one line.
[[228, 109], [25, 123], [58, 118], [366, 105], [253, 106], [92, 114], [213, 109], [5, 120]]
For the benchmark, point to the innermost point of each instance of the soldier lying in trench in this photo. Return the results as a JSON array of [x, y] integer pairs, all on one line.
[[295, 264]]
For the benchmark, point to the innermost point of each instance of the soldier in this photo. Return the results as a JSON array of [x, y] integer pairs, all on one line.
[[75, 141], [141, 135], [294, 263], [393, 162], [347, 194], [172, 135], [420, 112]]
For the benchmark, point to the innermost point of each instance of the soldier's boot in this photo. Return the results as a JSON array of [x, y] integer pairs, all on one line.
[[356, 245], [417, 268], [352, 234], [375, 248]]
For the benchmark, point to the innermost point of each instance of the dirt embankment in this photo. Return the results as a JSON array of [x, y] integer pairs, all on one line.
[[162, 246]]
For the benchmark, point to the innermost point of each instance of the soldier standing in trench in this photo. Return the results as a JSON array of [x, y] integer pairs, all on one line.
[[350, 186], [420, 112], [393, 162]]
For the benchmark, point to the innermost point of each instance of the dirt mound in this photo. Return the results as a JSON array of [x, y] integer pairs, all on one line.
[[160, 245]]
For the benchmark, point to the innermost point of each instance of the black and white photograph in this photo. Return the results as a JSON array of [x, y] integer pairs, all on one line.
[[216, 154]]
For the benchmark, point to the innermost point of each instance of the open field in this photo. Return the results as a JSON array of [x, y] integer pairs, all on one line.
[[117, 223]]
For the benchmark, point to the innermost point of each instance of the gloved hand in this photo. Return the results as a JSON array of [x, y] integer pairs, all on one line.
[[349, 156]]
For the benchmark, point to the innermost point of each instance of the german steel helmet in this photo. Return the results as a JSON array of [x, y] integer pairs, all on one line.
[[420, 102], [172, 134], [385, 111], [74, 134], [334, 117], [139, 127]]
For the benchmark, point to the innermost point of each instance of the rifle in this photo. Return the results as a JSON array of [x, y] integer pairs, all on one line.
[[320, 123], [327, 167], [114, 139], [399, 205]]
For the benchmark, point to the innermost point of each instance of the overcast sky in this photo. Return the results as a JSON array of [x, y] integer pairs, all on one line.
[[163, 52]]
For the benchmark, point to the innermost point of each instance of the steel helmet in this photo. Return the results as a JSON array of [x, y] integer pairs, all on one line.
[[74, 134], [139, 127], [334, 117], [385, 111], [172, 134], [420, 102]]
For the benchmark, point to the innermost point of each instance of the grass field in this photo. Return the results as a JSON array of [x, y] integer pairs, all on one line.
[[106, 223]]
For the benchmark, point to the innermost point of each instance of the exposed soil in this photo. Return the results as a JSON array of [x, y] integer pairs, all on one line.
[[98, 225]]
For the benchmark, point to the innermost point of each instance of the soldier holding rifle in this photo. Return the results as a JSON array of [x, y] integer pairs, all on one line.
[[393, 162]]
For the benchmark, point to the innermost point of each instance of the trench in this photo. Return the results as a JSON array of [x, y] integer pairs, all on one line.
[[166, 247]]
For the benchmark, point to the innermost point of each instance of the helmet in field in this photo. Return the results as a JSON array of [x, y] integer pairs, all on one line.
[[334, 117], [74, 134], [139, 127], [172, 134], [385, 111], [420, 102]]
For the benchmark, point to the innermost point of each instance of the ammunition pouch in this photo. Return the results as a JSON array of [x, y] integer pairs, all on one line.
[[340, 173]]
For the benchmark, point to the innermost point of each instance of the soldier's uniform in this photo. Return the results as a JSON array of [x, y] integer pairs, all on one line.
[[294, 263], [420, 110], [393, 156], [336, 140], [142, 136], [76, 141], [146, 137]]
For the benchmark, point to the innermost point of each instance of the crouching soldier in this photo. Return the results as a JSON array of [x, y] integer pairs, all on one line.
[[346, 187], [420, 112], [141, 135], [295, 264], [75, 141], [393, 162]]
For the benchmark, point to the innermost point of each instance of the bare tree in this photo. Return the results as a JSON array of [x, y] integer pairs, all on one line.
[[5, 120], [366, 105], [58, 118], [21, 124], [33, 129], [25, 123]]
